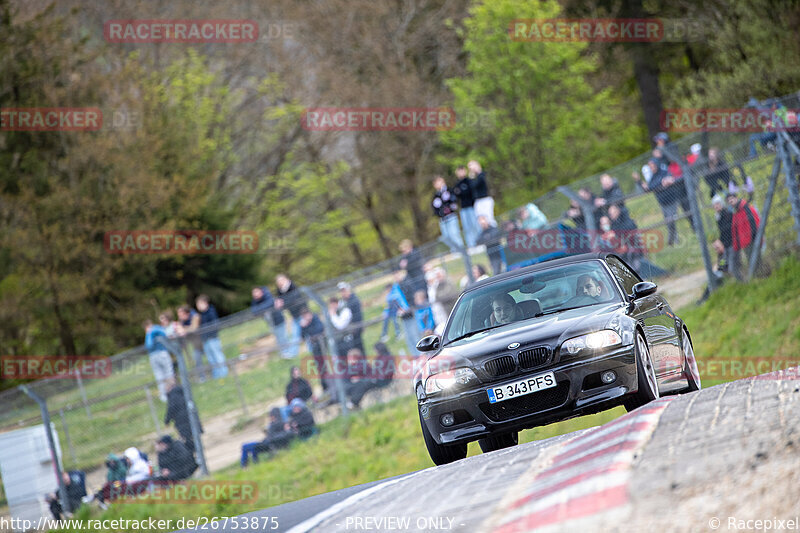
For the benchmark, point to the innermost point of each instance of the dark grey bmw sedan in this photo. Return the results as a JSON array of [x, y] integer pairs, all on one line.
[[545, 343]]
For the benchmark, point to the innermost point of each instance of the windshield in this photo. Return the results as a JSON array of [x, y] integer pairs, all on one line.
[[526, 296]]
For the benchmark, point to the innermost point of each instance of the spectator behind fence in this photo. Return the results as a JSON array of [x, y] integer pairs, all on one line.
[[445, 207], [466, 200], [478, 274], [291, 299], [412, 262], [349, 299], [442, 295], [277, 436], [75, 485], [211, 343], [662, 185], [175, 461], [529, 216], [390, 314], [178, 414], [724, 217], [719, 270], [423, 314], [694, 156], [297, 387], [717, 174], [575, 214], [188, 324], [263, 304], [612, 195], [341, 317], [160, 360], [166, 320], [361, 378], [401, 291], [491, 237], [484, 203], [313, 331], [744, 226]]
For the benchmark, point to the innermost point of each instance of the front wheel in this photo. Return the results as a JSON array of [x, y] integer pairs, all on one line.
[[441, 454], [645, 376], [498, 442], [690, 363]]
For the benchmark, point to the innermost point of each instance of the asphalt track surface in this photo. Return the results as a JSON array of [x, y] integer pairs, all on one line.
[[720, 459]]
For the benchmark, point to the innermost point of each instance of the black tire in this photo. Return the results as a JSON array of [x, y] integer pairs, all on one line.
[[440, 454], [498, 442], [647, 384], [690, 363]]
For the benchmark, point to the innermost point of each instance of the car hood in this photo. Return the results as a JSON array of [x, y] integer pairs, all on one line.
[[551, 329]]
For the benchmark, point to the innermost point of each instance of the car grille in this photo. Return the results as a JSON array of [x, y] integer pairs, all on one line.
[[533, 357], [500, 366], [528, 404]]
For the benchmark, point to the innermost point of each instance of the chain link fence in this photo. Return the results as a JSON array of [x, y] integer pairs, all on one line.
[[95, 417]]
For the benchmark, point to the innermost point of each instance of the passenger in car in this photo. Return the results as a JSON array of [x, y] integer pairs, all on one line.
[[505, 310]]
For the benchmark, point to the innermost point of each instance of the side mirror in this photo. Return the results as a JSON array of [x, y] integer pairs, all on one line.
[[644, 288], [429, 343]]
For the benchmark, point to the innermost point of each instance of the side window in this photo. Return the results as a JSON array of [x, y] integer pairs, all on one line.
[[623, 274]]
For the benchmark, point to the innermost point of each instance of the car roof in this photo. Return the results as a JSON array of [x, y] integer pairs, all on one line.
[[571, 259]]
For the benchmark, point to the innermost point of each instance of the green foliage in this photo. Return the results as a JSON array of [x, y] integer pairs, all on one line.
[[530, 116]]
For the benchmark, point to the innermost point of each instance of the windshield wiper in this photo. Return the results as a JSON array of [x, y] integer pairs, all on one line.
[[471, 333], [559, 310]]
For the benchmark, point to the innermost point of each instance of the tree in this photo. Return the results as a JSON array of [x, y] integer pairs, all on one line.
[[539, 122]]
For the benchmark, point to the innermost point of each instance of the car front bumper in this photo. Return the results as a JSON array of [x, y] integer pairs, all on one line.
[[579, 391]]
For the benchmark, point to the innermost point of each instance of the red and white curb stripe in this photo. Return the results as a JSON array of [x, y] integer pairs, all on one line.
[[588, 476]]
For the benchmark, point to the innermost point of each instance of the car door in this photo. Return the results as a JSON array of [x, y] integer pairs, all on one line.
[[650, 312]]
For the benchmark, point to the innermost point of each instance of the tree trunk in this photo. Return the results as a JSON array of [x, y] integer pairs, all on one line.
[[645, 70]]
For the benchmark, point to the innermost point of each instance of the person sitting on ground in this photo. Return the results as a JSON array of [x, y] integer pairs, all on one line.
[[137, 478], [296, 388], [175, 461], [359, 378], [301, 421], [423, 313], [75, 484], [277, 437], [384, 365], [504, 310]]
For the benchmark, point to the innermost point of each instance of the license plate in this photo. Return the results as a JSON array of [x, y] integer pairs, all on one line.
[[521, 387]]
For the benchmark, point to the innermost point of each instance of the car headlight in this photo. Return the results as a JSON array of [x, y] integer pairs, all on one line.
[[591, 341], [449, 379]]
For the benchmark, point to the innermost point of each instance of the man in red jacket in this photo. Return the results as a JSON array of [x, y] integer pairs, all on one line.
[[744, 226]]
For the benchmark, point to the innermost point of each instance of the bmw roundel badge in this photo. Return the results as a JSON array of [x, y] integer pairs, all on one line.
[[513, 346]]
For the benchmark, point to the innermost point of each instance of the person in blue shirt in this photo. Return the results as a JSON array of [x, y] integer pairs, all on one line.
[[390, 313], [160, 360], [423, 313], [211, 344]]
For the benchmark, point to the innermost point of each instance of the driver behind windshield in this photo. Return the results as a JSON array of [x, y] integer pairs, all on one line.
[[589, 286], [505, 309]]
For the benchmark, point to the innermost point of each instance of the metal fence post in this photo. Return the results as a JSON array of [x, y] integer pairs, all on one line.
[[329, 336], [762, 228], [51, 442], [194, 419], [83, 395], [66, 436], [152, 409], [785, 146], [238, 387], [690, 182]]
